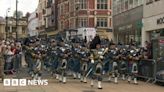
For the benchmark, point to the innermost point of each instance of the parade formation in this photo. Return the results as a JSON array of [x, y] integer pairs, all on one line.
[[89, 62]]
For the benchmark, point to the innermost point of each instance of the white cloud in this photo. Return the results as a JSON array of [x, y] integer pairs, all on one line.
[[23, 5]]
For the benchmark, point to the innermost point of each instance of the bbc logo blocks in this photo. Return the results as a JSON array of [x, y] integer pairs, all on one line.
[[15, 82], [24, 82]]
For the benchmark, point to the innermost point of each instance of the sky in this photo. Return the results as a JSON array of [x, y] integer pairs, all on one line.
[[23, 5]]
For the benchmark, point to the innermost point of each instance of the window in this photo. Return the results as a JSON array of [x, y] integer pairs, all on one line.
[[71, 6], [83, 22], [83, 4], [119, 6], [23, 30], [62, 9], [122, 5], [126, 5], [62, 25], [140, 2], [102, 4], [114, 7], [114, 10], [136, 3], [130, 4], [102, 22]]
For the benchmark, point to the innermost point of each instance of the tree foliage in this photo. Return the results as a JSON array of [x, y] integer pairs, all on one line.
[[19, 14]]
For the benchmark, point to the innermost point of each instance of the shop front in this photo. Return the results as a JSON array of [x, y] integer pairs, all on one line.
[[153, 28], [128, 26], [105, 33]]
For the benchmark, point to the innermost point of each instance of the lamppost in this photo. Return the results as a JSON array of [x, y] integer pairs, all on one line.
[[77, 13], [7, 11], [16, 31]]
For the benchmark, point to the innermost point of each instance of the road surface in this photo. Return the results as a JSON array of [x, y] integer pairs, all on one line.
[[75, 86]]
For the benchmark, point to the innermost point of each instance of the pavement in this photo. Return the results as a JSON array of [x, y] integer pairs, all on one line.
[[76, 86]]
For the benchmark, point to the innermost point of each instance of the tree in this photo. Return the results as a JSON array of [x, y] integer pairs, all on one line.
[[27, 14], [19, 14]]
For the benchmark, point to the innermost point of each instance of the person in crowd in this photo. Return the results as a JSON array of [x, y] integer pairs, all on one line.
[[148, 48], [8, 59], [2, 49], [94, 42]]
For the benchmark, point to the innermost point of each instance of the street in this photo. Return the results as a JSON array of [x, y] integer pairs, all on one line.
[[75, 86]]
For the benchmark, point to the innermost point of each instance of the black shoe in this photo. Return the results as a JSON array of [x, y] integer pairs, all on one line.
[[100, 88]]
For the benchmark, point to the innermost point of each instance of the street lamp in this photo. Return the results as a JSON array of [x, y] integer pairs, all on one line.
[[7, 11], [16, 20], [77, 15]]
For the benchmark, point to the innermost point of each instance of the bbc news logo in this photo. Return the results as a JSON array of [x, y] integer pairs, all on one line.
[[24, 82]]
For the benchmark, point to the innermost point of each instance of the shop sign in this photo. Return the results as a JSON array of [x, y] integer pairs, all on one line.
[[160, 21], [125, 27]]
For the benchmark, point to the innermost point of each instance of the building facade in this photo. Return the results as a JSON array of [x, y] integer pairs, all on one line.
[[127, 20], [51, 17], [33, 24], [41, 10], [2, 28], [153, 20], [21, 28], [73, 14]]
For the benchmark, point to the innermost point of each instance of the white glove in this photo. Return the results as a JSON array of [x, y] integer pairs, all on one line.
[[101, 57], [92, 61]]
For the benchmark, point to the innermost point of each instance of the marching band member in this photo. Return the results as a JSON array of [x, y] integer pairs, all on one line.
[[97, 65], [115, 58], [133, 62], [63, 61], [84, 63]]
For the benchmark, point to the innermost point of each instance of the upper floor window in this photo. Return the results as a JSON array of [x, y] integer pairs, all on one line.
[[130, 4], [126, 5], [136, 3], [102, 22], [122, 6], [83, 4], [102, 4]]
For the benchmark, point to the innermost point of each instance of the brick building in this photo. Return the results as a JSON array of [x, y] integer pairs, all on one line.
[[41, 10], [51, 17], [2, 28], [73, 14]]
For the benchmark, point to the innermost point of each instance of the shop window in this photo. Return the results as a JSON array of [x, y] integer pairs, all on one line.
[[162, 33]]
